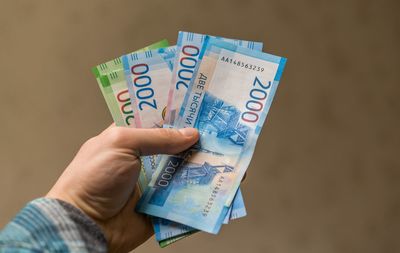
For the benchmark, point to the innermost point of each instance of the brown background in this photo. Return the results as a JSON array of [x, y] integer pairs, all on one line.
[[326, 172]]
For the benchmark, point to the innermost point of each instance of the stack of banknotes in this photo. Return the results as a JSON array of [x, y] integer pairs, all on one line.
[[224, 88]]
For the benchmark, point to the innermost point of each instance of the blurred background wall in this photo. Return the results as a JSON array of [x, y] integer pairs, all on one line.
[[325, 176]]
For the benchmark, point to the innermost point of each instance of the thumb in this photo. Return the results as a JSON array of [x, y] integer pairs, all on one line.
[[155, 140]]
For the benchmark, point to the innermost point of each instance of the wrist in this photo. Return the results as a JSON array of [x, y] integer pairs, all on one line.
[[79, 207], [70, 222]]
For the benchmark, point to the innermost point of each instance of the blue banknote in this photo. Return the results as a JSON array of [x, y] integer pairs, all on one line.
[[189, 46], [236, 210], [148, 74], [237, 207], [227, 101], [228, 216]]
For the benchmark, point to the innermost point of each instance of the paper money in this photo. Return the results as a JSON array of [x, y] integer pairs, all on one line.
[[189, 46], [127, 113], [112, 83], [228, 101], [148, 74]]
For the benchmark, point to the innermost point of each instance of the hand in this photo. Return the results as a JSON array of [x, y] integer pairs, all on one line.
[[101, 179]]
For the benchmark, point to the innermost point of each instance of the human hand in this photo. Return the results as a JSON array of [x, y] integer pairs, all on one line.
[[101, 179]]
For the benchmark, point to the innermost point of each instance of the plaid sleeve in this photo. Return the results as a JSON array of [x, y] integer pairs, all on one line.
[[50, 225]]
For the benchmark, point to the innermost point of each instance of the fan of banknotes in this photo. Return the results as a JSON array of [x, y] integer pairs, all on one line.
[[224, 88]]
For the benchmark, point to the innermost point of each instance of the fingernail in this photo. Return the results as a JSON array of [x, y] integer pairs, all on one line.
[[189, 132]]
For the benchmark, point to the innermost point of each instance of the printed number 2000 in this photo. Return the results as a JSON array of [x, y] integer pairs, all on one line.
[[141, 82], [254, 106]]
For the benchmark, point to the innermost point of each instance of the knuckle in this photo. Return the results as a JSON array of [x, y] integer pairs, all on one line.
[[167, 134], [169, 139]]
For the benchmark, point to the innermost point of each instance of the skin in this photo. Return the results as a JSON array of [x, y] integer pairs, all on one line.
[[101, 179]]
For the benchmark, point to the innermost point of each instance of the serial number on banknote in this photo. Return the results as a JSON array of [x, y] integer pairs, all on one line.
[[213, 195], [241, 64]]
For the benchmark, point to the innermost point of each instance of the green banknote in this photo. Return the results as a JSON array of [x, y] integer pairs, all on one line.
[[169, 241], [116, 64]]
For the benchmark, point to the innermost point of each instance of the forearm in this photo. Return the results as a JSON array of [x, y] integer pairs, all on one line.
[[52, 225]]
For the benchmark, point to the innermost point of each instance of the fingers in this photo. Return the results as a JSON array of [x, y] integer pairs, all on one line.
[[153, 141]]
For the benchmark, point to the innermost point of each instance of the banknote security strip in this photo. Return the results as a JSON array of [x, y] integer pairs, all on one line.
[[187, 86]]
